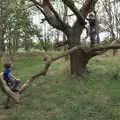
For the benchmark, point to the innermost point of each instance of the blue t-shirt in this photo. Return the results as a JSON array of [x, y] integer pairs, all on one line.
[[7, 74]]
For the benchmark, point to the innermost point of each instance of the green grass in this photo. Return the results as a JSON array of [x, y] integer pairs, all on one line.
[[61, 96]]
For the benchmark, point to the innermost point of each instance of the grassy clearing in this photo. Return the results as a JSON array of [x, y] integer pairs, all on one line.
[[60, 96]]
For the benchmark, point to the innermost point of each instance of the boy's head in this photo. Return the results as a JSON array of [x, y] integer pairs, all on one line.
[[7, 64], [91, 15]]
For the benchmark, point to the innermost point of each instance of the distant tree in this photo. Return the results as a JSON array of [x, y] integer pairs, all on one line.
[[16, 26]]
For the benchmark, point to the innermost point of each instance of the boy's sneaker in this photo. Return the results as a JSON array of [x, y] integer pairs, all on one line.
[[15, 90]]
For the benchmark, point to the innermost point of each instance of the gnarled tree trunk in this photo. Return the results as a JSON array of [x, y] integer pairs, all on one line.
[[79, 56], [78, 62], [78, 59]]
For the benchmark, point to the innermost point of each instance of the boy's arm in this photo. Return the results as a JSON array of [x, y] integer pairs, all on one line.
[[14, 77]]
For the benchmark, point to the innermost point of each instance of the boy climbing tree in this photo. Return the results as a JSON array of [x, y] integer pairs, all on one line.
[[93, 32], [10, 79]]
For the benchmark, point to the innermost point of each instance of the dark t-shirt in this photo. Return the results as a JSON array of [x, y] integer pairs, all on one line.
[[92, 22], [6, 74]]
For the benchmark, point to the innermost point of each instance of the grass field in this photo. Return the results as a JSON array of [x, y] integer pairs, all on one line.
[[61, 96]]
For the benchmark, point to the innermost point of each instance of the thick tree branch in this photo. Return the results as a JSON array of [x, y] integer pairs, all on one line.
[[52, 16], [62, 25], [47, 65], [47, 3], [46, 11], [103, 48], [96, 53], [71, 5]]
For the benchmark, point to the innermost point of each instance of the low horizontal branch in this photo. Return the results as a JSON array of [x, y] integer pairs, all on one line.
[[47, 65], [106, 47], [96, 53]]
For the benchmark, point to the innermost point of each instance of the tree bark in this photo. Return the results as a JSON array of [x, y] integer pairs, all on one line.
[[78, 62], [78, 59]]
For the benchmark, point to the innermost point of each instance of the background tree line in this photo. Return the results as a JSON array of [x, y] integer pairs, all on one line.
[[17, 30]]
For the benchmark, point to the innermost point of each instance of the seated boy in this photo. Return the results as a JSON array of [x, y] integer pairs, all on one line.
[[10, 79]]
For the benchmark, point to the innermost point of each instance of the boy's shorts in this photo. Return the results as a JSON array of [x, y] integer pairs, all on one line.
[[12, 82], [93, 37]]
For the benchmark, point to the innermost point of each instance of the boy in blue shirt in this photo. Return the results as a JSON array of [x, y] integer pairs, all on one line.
[[10, 79]]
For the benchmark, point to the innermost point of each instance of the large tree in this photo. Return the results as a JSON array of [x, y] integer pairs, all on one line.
[[80, 57], [79, 54]]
